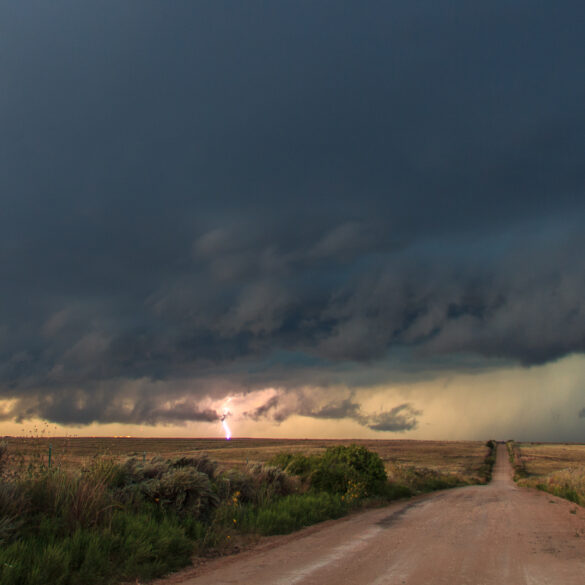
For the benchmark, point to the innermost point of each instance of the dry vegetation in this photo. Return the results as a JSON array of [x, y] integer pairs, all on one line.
[[463, 459], [556, 468], [541, 459]]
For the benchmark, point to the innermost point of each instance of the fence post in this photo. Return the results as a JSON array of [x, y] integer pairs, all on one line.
[[144, 457], [50, 453]]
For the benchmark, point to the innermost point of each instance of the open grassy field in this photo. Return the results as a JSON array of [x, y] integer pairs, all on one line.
[[556, 468], [541, 459], [463, 459]]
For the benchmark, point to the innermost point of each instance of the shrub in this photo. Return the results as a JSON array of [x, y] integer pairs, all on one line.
[[302, 465], [332, 477], [234, 481], [201, 463], [367, 463], [282, 459], [182, 489], [341, 465], [136, 471], [270, 482]]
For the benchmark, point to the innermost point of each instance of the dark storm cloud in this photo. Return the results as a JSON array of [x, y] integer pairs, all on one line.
[[268, 409], [344, 409], [400, 418], [204, 191], [115, 403], [278, 409]]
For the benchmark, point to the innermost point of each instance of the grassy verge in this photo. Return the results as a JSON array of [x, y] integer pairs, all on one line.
[[555, 469], [518, 464], [107, 521], [286, 514], [567, 483]]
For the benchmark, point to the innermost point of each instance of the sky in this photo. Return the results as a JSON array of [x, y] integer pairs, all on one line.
[[315, 218]]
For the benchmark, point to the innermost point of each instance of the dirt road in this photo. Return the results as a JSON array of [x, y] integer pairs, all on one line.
[[481, 535]]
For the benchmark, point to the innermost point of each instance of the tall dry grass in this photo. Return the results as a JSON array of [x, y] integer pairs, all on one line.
[[556, 469], [567, 483]]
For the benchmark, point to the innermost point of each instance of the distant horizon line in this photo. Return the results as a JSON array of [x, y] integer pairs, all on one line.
[[280, 439]]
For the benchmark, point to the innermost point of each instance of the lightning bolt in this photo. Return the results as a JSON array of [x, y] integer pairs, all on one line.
[[226, 413]]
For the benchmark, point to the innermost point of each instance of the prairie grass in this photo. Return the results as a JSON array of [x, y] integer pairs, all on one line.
[[567, 483], [558, 469], [544, 458], [462, 458]]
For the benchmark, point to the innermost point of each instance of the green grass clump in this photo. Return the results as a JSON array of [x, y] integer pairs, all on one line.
[[284, 515], [296, 511], [135, 546]]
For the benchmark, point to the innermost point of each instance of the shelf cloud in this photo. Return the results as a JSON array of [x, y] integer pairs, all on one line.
[[216, 199]]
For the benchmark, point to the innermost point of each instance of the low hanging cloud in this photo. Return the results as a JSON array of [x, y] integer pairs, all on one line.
[[399, 418], [279, 408], [82, 408]]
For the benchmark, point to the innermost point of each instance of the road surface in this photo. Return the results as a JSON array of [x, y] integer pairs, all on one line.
[[496, 534]]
